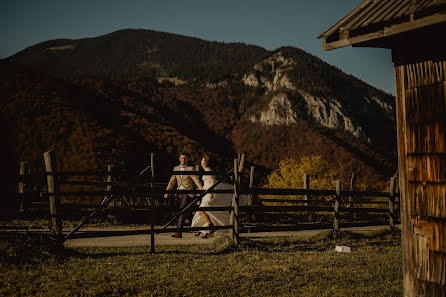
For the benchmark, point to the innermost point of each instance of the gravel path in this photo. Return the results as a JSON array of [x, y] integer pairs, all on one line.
[[137, 236]]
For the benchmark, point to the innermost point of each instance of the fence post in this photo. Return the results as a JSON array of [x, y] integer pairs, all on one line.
[[152, 202], [251, 183], [352, 188], [392, 203], [234, 219], [109, 179], [241, 163], [23, 184], [54, 200], [306, 187], [336, 206]]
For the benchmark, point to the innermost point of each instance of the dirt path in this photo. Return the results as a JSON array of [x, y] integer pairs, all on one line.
[[137, 236]]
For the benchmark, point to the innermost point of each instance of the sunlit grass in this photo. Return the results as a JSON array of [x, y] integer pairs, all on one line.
[[298, 266]]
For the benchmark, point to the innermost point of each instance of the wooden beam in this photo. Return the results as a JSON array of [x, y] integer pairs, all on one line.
[[386, 32]]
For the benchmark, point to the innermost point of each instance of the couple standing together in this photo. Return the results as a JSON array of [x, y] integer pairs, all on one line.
[[186, 182]]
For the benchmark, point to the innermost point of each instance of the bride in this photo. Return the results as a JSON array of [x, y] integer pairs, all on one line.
[[212, 218]]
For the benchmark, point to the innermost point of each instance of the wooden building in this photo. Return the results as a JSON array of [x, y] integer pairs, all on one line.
[[415, 31]]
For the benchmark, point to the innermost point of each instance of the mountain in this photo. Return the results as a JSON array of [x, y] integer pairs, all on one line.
[[139, 54], [118, 97]]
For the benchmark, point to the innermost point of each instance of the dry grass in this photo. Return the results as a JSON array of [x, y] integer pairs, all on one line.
[[300, 266]]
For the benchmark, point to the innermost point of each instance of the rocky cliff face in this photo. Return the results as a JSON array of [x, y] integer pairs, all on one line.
[[279, 112], [330, 114], [272, 74]]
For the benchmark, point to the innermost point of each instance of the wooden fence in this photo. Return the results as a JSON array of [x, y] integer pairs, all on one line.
[[113, 190]]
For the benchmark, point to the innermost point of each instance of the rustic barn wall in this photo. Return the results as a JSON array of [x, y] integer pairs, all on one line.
[[421, 114]]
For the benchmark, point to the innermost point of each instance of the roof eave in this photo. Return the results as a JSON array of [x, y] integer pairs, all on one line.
[[386, 32]]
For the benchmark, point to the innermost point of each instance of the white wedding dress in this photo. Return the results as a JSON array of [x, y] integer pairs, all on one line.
[[218, 218]]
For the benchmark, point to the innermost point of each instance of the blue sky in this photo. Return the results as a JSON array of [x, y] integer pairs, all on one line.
[[269, 24]]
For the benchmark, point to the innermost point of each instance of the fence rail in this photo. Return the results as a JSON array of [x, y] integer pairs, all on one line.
[[341, 200]]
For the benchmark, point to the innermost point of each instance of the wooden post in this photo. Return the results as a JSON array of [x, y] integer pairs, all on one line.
[[109, 179], [306, 187], [352, 188], [152, 202], [23, 187], [231, 218], [234, 219], [420, 109], [336, 206], [54, 200], [392, 203], [251, 183], [241, 162]]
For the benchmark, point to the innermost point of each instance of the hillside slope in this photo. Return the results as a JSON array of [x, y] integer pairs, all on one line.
[[134, 54], [118, 97]]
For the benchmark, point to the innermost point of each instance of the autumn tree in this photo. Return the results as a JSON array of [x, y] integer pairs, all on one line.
[[290, 173]]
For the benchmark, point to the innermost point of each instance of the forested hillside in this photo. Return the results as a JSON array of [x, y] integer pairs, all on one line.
[[136, 54], [105, 100]]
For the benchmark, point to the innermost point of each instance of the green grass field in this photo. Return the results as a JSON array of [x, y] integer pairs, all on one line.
[[298, 266]]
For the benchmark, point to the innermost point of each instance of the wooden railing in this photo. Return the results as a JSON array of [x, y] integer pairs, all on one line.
[[151, 189]]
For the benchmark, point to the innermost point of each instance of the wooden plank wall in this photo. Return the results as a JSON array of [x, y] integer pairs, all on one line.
[[421, 115]]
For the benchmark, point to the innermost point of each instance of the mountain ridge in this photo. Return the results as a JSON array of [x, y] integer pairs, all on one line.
[[224, 86]]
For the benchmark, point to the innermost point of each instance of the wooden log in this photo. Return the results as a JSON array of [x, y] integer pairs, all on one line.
[[250, 196], [79, 173], [137, 192], [269, 191], [352, 188], [241, 163], [297, 201], [306, 187], [89, 183], [146, 190], [392, 203], [299, 208], [188, 229], [291, 208], [24, 172], [152, 202], [234, 219], [251, 183], [54, 200], [336, 206], [231, 217], [109, 187], [375, 202], [362, 210], [277, 228]]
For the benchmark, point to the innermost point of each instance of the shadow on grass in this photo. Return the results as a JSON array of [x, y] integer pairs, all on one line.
[[321, 242], [28, 248], [31, 248]]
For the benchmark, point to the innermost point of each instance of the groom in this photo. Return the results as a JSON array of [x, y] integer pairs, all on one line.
[[184, 182]]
